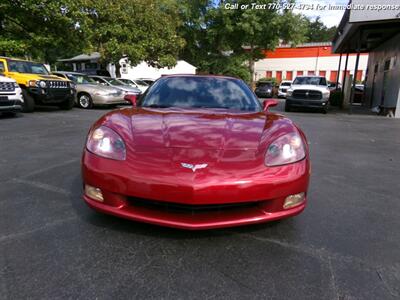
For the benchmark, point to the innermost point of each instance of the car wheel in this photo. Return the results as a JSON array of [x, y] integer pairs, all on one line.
[[287, 107], [29, 102], [85, 101], [68, 104]]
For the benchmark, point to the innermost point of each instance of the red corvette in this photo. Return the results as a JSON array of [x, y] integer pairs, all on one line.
[[197, 152]]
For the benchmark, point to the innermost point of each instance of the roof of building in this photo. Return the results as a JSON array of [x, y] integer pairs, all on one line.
[[320, 44], [80, 57]]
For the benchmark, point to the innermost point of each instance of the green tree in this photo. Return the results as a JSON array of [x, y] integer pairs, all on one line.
[[42, 29], [318, 32], [243, 34], [141, 30]]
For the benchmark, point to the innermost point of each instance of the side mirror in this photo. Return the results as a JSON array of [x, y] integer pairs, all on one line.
[[269, 103], [131, 98]]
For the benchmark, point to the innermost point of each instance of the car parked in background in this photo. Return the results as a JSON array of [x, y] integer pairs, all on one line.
[[149, 81], [308, 92], [264, 89], [333, 87], [283, 87], [113, 82], [89, 93], [38, 85], [136, 83], [11, 99]]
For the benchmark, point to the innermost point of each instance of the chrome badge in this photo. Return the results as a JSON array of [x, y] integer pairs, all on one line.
[[194, 167]]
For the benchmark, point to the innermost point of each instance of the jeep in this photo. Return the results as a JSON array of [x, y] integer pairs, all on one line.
[[38, 85]]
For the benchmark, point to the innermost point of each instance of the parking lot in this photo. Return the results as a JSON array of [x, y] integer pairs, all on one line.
[[345, 245]]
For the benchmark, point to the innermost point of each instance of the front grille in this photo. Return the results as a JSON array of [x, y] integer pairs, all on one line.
[[307, 94], [7, 86], [187, 208], [56, 84], [7, 103]]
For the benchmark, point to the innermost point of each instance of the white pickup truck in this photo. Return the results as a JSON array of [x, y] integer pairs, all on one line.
[[308, 91], [11, 98]]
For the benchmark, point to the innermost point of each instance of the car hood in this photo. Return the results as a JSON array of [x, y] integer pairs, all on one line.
[[183, 129], [6, 79], [127, 89], [320, 88], [27, 76]]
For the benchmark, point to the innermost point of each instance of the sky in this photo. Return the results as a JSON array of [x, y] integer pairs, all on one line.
[[328, 17]]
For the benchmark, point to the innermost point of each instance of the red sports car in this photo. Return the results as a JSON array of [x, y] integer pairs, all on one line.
[[196, 152]]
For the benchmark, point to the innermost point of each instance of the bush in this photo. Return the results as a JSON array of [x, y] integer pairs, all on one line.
[[336, 98], [273, 80]]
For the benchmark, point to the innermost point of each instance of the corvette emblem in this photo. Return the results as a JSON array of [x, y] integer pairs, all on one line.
[[194, 167]]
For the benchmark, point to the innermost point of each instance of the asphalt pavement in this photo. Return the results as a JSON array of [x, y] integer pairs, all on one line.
[[345, 245]]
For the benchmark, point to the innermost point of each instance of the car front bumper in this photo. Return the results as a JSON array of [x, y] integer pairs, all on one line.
[[295, 102], [51, 96], [178, 200], [13, 102]]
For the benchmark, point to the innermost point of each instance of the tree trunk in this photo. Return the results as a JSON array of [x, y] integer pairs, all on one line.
[[117, 70], [251, 67]]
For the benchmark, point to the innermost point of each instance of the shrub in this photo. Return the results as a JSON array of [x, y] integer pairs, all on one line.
[[336, 98]]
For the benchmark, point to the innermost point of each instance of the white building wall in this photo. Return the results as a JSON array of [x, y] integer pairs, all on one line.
[[143, 70], [305, 64]]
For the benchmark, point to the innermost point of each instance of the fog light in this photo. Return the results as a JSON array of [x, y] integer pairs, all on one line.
[[94, 193], [293, 200]]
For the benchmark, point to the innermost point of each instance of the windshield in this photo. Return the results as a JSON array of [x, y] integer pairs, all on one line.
[[141, 82], [310, 80], [27, 67], [201, 92], [114, 81], [285, 84], [80, 79], [127, 81]]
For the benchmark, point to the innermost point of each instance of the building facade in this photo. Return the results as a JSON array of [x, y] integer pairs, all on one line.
[[285, 63], [378, 32]]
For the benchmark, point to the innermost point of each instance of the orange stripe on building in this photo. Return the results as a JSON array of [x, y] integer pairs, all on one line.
[[302, 52]]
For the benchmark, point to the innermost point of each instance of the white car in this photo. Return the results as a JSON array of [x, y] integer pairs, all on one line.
[[137, 83], [11, 99], [283, 87], [309, 92]]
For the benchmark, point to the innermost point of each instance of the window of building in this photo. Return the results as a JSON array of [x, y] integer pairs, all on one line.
[[279, 75], [322, 73], [333, 76], [268, 74], [310, 73], [289, 75], [299, 73]]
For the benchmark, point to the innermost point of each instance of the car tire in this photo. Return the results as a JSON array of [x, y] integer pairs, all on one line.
[[287, 107], [68, 104], [85, 101], [29, 102]]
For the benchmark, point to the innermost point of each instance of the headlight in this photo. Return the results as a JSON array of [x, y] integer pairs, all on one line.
[[289, 93], [32, 83], [42, 84], [326, 94], [16, 85], [72, 85], [105, 142], [286, 149]]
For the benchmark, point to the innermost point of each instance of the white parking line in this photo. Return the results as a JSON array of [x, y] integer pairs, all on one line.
[[43, 186]]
